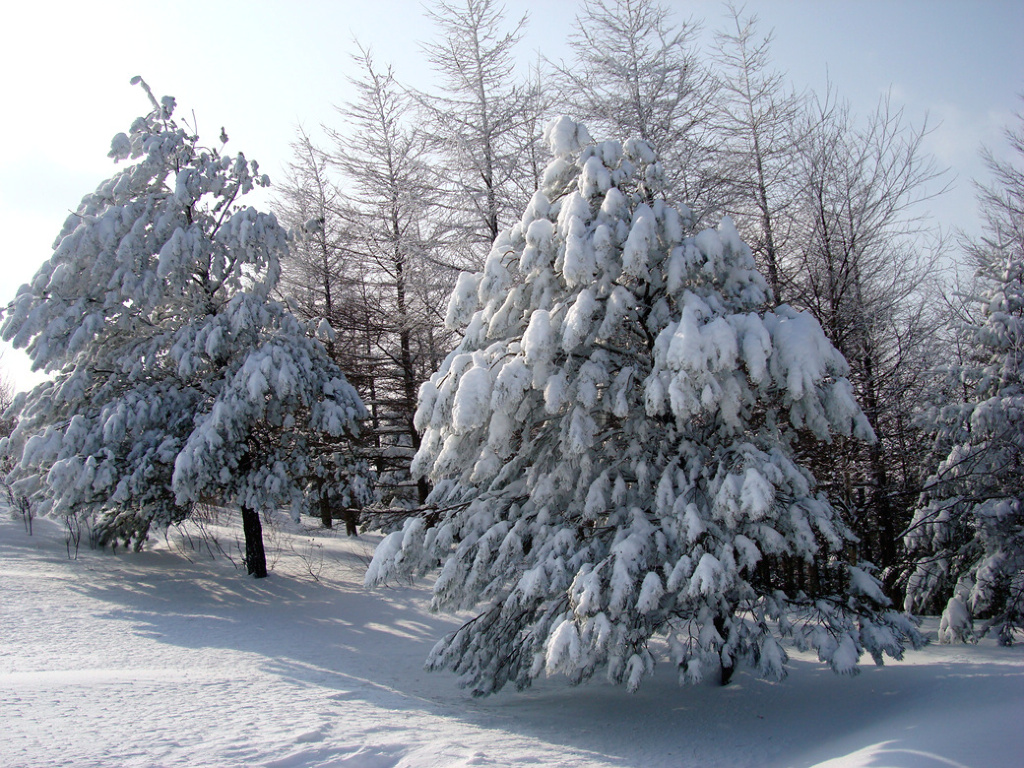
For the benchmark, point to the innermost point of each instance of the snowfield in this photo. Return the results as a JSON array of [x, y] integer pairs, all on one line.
[[149, 659]]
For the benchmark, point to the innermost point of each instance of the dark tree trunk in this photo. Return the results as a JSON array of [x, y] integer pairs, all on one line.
[[351, 517], [886, 533], [727, 665], [255, 556], [326, 515]]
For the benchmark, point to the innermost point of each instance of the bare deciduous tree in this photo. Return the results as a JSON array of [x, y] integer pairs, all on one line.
[[759, 120], [636, 74], [864, 267], [482, 121], [391, 215]]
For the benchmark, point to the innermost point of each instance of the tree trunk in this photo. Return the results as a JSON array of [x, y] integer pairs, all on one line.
[[727, 664], [883, 511], [255, 556], [351, 517], [326, 514]]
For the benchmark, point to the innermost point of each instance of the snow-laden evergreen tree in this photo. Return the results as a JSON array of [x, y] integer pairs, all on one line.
[[968, 532], [612, 448], [175, 377]]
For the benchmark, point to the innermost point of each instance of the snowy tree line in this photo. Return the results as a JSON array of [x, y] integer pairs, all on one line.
[[700, 379]]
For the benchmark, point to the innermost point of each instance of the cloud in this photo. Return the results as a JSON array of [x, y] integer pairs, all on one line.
[[959, 135]]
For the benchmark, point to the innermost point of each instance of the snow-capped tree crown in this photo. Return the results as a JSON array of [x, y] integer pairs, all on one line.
[[167, 230], [612, 440]]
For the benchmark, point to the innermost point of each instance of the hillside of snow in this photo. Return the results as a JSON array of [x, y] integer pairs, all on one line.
[[172, 657]]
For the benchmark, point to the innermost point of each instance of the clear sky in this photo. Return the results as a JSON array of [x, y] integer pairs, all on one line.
[[261, 67]]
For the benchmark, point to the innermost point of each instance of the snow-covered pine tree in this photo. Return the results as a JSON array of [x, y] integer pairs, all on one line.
[[175, 378], [968, 532], [611, 444]]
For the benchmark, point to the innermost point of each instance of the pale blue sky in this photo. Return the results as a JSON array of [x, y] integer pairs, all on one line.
[[262, 66]]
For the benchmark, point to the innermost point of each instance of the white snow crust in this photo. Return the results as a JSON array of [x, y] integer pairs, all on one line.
[[149, 659]]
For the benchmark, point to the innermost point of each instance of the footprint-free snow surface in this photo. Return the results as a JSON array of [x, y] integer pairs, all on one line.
[[172, 657]]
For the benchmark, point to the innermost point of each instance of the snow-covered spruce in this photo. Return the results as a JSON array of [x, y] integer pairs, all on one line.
[[968, 532], [175, 377], [612, 448]]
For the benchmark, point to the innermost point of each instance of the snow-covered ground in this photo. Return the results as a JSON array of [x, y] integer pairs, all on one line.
[[152, 660]]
